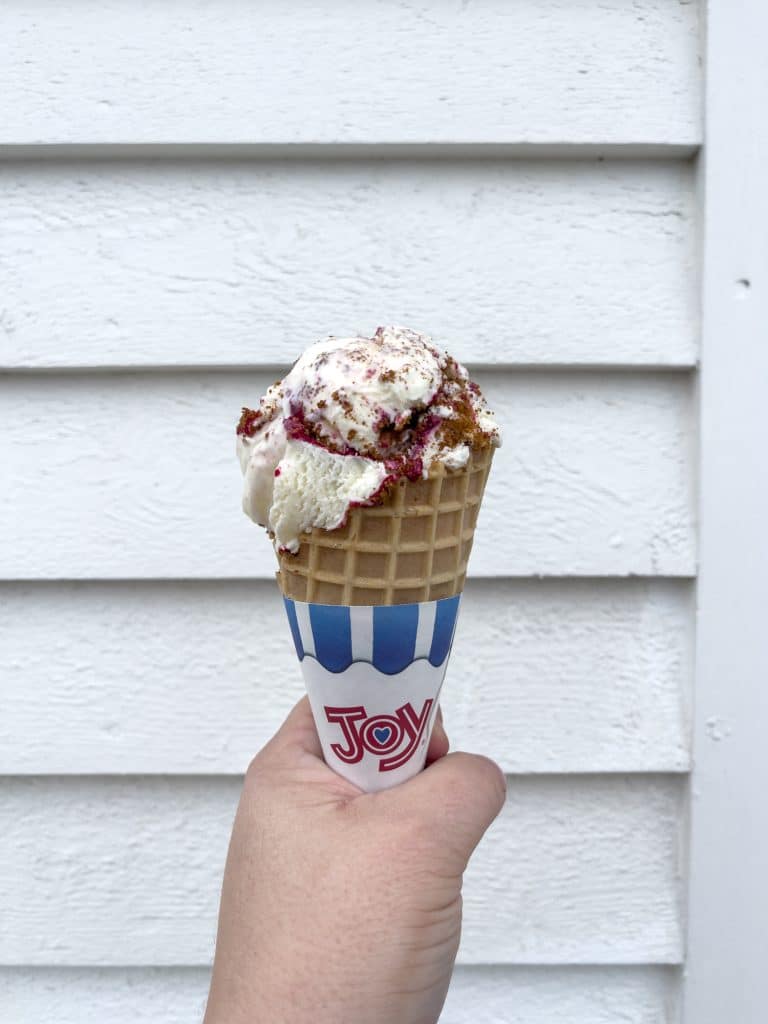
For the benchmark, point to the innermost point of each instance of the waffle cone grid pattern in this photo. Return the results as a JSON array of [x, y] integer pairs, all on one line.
[[413, 548]]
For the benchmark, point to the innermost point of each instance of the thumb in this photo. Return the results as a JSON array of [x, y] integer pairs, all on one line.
[[459, 796], [297, 734]]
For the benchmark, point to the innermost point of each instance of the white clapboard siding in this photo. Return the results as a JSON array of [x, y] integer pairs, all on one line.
[[546, 676], [127, 871], [350, 70], [192, 191], [478, 995], [135, 476], [238, 264]]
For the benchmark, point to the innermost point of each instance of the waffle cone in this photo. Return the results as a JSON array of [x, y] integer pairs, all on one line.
[[414, 547]]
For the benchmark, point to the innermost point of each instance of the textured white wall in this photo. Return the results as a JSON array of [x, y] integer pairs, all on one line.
[[418, 71], [189, 193], [482, 995], [518, 261]]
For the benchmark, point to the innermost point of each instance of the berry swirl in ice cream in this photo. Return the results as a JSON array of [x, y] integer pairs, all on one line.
[[351, 418]]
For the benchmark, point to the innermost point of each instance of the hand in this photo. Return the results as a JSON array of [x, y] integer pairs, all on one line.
[[340, 907]]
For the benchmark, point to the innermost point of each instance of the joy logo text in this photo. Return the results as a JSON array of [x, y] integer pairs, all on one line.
[[393, 738]]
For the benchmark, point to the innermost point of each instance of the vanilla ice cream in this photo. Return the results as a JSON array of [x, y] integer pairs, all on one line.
[[351, 418]]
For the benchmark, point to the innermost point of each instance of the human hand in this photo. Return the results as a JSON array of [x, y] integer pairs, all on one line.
[[341, 907]]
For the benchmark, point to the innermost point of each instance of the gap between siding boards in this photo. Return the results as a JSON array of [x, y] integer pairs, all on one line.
[[677, 776], [344, 151], [538, 369]]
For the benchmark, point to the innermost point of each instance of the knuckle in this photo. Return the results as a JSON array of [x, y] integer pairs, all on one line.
[[484, 779], [255, 771], [496, 781]]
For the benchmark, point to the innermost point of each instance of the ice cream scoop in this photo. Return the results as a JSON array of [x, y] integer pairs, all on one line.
[[352, 418]]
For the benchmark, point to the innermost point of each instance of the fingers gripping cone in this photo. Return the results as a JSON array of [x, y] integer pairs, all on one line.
[[372, 607]]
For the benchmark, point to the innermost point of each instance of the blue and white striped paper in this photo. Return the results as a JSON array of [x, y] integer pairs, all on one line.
[[389, 638]]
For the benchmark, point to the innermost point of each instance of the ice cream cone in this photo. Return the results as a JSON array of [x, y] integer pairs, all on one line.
[[415, 547], [372, 608], [389, 437]]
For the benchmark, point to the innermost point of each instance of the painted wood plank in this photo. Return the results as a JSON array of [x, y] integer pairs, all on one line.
[[545, 676], [135, 476], [239, 264], [536, 70], [478, 995], [127, 871], [726, 977]]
